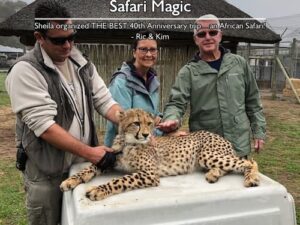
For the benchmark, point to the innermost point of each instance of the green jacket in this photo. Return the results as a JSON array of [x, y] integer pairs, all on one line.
[[225, 102]]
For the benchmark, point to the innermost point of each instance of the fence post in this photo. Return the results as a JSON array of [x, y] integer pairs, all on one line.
[[288, 79], [293, 62], [274, 71], [248, 51]]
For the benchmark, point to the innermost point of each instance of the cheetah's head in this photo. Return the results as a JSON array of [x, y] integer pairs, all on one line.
[[136, 125]]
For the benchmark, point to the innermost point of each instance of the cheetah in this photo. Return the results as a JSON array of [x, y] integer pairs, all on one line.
[[168, 156]]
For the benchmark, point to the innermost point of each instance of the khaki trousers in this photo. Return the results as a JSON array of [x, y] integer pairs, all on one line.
[[43, 196]]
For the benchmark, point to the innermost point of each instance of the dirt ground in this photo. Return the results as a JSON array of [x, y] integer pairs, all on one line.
[[7, 133], [279, 109]]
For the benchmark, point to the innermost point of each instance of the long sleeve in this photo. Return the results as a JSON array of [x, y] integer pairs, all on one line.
[[28, 91], [179, 96], [253, 106]]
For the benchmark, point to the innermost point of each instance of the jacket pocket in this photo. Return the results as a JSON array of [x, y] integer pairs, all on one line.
[[212, 125], [45, 157], [235, 89], [36, 215], [241, 118]]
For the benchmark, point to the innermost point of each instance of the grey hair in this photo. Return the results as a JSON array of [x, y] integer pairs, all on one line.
[[207, 17]]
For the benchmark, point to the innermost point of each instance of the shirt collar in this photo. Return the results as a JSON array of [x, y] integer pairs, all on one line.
[[197, 57], [150, 75], [75, 54]]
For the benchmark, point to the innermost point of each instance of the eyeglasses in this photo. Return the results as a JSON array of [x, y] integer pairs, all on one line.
[[146, 50], [211, 33], [61, 40]]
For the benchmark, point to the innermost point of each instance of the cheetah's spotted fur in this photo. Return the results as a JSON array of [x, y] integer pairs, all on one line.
[[170, 156]]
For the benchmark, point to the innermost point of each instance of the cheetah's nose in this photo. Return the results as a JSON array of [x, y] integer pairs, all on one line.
[[145, 135]]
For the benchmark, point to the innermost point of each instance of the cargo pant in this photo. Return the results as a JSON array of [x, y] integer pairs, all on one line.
[[43, 196]]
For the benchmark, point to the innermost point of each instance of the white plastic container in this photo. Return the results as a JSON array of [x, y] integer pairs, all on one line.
[[186, 199]]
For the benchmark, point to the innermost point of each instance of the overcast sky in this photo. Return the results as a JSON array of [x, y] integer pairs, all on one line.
[[262, 8], [268, 8]]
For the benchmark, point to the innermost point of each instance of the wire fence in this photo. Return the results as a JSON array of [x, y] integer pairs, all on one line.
[[262, 59]]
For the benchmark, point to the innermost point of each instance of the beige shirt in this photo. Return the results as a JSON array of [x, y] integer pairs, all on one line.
[[74, 88]]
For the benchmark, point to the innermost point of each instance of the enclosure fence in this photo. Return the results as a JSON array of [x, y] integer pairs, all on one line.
[[262, 59], [109, 57]]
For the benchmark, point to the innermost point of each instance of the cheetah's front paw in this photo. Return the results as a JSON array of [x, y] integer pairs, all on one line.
[[211, 178], [97, 193], [69, 184], [252, 180]]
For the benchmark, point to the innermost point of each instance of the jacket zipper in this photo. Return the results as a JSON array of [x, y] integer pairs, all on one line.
[[73, 103], [82, 102]]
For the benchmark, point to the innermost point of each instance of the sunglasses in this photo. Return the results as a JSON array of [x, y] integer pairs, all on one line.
[[61, 40], [146, 50], [211, 33]]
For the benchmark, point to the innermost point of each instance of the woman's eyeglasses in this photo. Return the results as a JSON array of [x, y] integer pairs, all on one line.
[[146, 50], [61, 40], [211, 33]]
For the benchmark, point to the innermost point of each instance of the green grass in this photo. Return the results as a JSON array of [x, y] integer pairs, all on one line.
[[12, 195], [4, 98], [280, 158], [2, 79]]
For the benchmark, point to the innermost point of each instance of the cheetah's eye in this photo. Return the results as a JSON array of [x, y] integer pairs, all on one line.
[[136, 123], [149, 123]]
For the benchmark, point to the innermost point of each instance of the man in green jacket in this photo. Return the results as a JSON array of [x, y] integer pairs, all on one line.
[[222, 92]]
